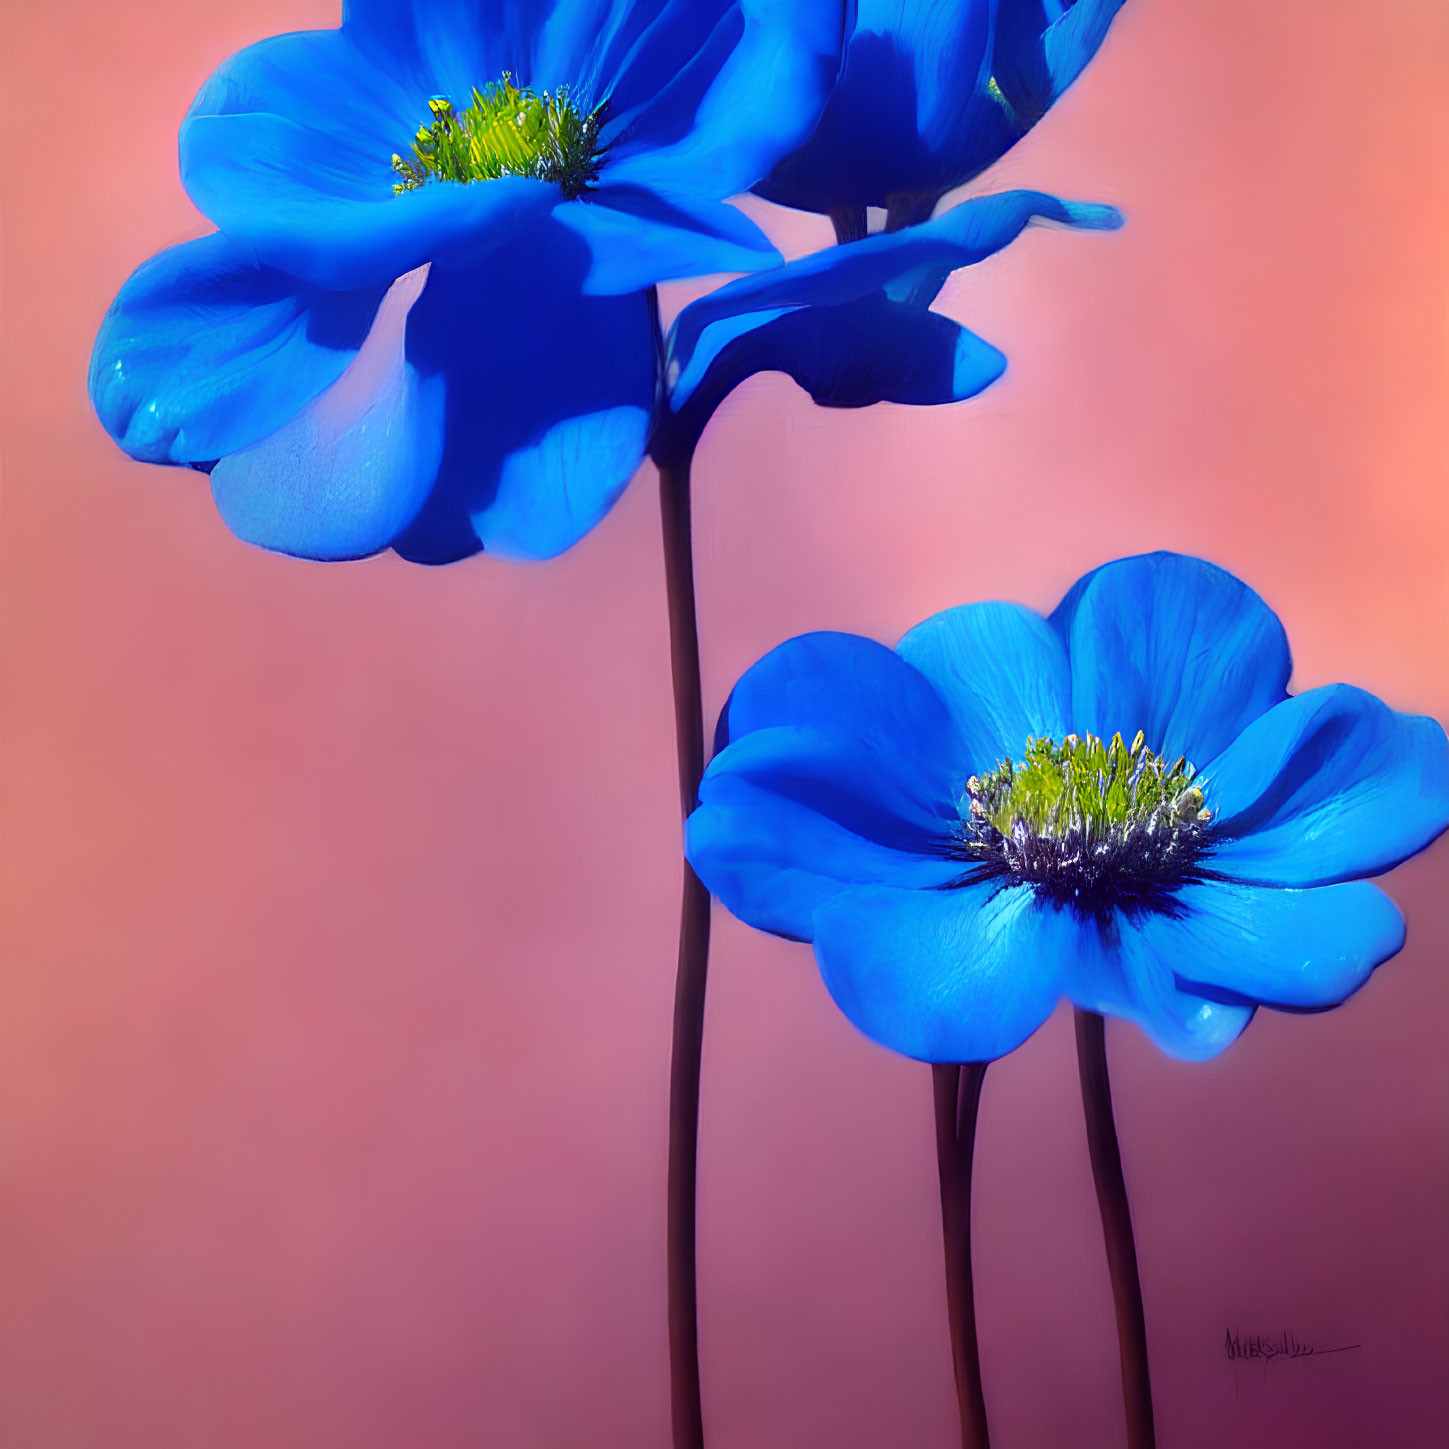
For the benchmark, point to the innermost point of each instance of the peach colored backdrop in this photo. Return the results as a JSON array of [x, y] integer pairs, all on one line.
[[339, 900]]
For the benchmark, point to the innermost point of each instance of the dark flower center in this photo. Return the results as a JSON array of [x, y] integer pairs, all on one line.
[[1087, 823], [506, 131]]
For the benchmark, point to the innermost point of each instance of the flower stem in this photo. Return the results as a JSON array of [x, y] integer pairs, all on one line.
[[1106, 1154], [686, 1407], [909, 208], [958, 1095]]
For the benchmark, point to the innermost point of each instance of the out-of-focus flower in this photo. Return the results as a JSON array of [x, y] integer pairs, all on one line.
[[931, 93], [1120, 804], [483, 192]]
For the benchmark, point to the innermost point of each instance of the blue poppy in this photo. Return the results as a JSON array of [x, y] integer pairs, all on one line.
[[1005, 810], [852, 323], [931, 93], [425, 319]]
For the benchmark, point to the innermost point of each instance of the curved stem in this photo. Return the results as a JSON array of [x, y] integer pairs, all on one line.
[[1106, 1155], [958, 1095], [689, 989]]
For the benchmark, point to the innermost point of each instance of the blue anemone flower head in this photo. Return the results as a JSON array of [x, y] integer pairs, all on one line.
[[931, 93], [1119, 803], [424, 320]]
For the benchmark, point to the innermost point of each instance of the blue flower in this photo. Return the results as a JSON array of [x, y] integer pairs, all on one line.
[[931, 93], [1004, 810], [491, 310], [852, 323]]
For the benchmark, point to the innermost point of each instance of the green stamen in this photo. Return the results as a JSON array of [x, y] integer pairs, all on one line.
[[1083, 786], [999, 96], [506, 132]]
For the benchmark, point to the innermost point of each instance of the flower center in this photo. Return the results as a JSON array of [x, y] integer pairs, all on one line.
[[1089, 822], [506, 132]]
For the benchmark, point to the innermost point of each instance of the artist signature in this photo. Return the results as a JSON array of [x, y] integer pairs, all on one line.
[[1246, 1347]]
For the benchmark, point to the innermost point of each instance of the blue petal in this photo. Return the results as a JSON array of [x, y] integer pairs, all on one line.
[[947, 975], [721, 365], [1174, 647], [857, 775], [849, 356], [1330, 785], [204, 352], [837, 763], [1042, 46], [349, 472], [288, 150], [709, 115], [1002, 671], [1117, 972], [966, 234], [446, 47], [845, 685], [328, 90], [1303, 950], [636, 238], [634, 54], [597, 48], [909, 101], [788, 817], [549, 398], [931, 94]]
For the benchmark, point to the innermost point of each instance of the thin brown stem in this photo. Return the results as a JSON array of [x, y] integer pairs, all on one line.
[[849, 223], [957, 1092], [909, 208], [689, 991], [1106, 1154]]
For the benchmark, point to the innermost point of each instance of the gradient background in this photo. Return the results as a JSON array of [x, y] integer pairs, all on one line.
[[339, 901]]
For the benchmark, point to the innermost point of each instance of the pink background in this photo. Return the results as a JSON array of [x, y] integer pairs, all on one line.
[[339, 901]]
